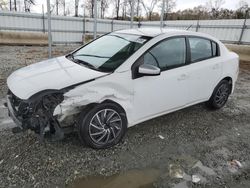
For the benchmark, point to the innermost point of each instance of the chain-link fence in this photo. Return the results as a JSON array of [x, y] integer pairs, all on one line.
[[73, 29]]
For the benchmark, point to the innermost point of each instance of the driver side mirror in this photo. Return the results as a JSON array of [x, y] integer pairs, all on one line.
[[149, 70]]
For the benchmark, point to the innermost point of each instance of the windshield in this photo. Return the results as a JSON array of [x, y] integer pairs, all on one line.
[[109, 51]]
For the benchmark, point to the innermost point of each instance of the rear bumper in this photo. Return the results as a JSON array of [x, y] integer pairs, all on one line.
[[12, 112]]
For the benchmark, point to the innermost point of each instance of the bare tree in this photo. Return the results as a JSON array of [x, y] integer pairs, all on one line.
[[3, 4], [28, 4], [149, 7], [64, 7], [57, 4], [76, 7], [89, 5], [68, 11], [169, 6], [214, 4], [15, 8], [138, 8], [243, 5], [124, 9], [117, 4], [104, 7]]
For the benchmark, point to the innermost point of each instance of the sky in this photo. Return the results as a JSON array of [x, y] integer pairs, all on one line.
[[180, 5], [229, 4]]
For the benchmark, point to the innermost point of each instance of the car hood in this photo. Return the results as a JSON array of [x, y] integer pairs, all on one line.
[[56, 73]]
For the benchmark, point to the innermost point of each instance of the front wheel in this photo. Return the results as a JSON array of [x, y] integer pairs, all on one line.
[[220, 95], [103, 126]]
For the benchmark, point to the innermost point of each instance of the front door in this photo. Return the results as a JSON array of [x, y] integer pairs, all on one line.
[[155, 95]]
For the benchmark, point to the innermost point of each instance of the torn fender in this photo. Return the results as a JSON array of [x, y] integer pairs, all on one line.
[[98, 91]]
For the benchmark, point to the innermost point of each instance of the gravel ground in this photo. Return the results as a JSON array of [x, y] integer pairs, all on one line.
[[14, 57], [194, 140]]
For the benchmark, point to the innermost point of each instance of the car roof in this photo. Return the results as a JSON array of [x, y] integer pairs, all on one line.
[[153, 32]]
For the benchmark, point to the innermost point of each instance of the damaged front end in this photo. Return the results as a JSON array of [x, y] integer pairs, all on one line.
[[36, 114]]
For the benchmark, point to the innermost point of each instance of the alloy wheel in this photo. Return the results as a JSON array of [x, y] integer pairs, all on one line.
[[222, 95], [105, 126]]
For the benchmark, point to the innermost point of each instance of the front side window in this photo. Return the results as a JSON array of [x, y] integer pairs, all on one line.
[[200, 49], [167, 54], [108, 52]]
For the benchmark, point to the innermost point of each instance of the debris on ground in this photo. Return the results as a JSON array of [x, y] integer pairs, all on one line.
[[181, 185], [205, 169], [175, 171], [234, 165], [161, 137], [195, 179]]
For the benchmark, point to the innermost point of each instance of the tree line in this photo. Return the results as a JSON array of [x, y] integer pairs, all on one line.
[[143, 9]]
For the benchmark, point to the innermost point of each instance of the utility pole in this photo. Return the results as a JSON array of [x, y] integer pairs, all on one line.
[[162, 13], [132, 14], [10, 5], [95, 18], [49, 27]]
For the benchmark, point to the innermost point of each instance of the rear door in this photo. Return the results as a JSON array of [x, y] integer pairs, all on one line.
[[204, 70]]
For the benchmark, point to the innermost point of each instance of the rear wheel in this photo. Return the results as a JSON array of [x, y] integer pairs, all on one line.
[[220, 95], [103, 126]]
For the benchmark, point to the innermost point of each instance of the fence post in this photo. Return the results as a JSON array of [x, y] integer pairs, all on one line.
[[49, 28], [95, 18], [243, 28], [162, 14], [198, 24], [132, 15], [139, 24], [84, 30], [43, 20], [112, 25]]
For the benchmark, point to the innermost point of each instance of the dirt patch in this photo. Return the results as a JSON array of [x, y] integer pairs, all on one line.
[[245, 65]]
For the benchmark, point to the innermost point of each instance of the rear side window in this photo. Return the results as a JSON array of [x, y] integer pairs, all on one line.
[[200, 49]]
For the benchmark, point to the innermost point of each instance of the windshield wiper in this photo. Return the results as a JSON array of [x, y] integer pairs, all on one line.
[[91, 56], [81, 62], [70, 56], [121, 38], [84, 63]]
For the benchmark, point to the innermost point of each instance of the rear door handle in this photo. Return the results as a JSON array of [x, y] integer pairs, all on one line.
[[216, 66], [183, 77]]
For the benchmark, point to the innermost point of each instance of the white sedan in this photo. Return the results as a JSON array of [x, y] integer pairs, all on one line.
[[119, 80]]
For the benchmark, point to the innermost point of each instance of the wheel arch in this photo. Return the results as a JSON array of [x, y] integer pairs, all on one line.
[[230, 80], [92, 105]]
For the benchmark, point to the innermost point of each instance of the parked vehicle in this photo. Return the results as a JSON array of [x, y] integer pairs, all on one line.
[[119, 80]]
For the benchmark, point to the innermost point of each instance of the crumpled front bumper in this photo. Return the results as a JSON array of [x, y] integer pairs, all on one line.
[[12, 112]]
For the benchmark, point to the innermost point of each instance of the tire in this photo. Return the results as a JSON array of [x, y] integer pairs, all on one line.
[[102, 126], [220, 95]]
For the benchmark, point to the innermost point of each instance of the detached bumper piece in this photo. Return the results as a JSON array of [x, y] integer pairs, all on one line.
[[36, 115], [12, 113]]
